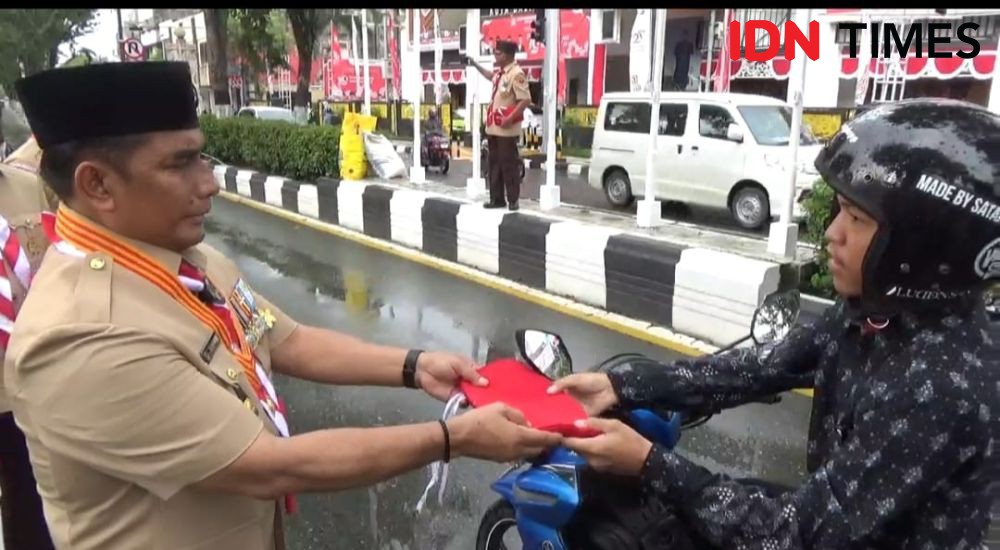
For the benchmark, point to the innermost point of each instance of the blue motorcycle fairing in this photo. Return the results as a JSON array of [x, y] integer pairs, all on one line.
[[654, 427]]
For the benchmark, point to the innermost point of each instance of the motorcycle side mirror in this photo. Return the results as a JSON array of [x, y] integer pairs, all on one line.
[[775, 318], [545, 352]]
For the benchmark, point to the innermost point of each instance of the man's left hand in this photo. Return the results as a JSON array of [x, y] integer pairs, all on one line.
[[619, 449], [439, 373], [506, 122]]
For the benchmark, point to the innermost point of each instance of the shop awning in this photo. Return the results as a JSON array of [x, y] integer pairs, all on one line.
[[457, 76], [979, 67]]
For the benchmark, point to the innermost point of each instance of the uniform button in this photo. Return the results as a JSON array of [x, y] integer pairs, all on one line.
[[231, 373], [97, 264], [248, 403]]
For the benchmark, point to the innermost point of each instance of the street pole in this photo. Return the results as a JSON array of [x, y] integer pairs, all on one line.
[[417, 171], [648, 211], [784, 234], [121, 36], [475, 186], [364, 54], [548, 195]]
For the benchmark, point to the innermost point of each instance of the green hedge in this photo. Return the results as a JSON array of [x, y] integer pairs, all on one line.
[[279, 148], [819, 207]]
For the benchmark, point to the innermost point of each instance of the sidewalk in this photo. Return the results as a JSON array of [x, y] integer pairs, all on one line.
[[679, 278]]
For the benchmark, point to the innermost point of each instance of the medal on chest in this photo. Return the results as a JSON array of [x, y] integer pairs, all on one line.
[[255, 323]]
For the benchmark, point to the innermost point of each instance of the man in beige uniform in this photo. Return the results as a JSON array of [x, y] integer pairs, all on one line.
[[22, 200], [509, 99], [140, 366]]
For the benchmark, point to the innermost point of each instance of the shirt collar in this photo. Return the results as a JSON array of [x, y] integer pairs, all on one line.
[[167, 258]]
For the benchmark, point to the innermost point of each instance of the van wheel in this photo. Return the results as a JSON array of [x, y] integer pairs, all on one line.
[[618, 188], [751, 207]]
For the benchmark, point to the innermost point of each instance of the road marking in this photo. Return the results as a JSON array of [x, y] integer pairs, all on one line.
[[633, 328]]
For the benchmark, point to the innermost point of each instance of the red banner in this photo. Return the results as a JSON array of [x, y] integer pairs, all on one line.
[[394, 55], [574, 34], [342, 83], [561, 82]]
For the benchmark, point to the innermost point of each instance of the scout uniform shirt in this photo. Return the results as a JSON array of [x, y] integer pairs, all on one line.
[[511, 88], [127, 398], [22, 200]]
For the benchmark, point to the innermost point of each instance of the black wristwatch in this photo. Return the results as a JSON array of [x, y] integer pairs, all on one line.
[[410, 368]]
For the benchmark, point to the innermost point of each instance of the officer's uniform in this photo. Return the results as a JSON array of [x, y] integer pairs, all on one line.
[[510, 86], [21, 203], [126, 395]]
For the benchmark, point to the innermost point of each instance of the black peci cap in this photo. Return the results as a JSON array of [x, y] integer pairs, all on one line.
[[506, 46], [108, 100]]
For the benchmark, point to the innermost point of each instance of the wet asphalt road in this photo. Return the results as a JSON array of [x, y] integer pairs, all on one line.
[[325, 281]]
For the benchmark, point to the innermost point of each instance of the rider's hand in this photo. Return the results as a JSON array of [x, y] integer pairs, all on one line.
[[619, 449], [499, 433], [592, 389], [438, 373]]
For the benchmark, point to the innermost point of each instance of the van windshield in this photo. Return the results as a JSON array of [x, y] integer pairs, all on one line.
[[771, 124], [267, 114]]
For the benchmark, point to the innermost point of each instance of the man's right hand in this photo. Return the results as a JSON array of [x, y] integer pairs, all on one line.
[[499, 433], [592, 389]]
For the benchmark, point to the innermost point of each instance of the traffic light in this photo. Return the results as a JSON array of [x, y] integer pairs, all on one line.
[[538, 27]]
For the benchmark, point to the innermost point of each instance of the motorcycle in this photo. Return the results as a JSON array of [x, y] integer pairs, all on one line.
[[484, 162], [556, 502], [436, 152]]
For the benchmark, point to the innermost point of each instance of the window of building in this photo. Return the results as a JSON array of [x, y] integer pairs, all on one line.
[[610, 25]]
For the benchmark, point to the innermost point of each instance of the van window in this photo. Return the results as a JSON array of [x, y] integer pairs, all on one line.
[[714, 121], [627, 117], [673, 119], [771, 125]]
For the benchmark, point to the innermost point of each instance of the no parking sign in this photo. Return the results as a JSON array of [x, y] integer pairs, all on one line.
[[133, 50]]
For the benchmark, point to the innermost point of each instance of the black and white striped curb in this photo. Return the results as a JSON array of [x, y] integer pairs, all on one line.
[[702, 293]]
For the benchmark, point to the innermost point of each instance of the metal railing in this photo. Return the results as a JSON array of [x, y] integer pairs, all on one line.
[[778, 16]]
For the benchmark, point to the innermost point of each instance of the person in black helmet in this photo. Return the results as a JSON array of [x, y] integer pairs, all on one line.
[[904, 369]]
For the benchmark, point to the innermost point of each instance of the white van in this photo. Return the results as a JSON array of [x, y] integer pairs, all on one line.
[[718, 150]]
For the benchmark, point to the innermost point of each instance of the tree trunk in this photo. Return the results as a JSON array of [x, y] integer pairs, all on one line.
[[218, 60], [303, 23]]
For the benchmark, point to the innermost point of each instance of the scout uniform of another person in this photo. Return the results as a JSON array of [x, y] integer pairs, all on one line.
[[510, 89], [113, 318], [22, 245]]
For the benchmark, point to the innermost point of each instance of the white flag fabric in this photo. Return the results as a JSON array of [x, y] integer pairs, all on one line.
[[639, 52]]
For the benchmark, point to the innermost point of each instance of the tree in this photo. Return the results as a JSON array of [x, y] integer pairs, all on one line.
[[259, 37], [216, 36], [307, 28], [30, 40]]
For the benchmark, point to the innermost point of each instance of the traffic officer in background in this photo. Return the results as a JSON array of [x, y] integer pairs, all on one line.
[[140, 367], [503, 124], [22, 245]]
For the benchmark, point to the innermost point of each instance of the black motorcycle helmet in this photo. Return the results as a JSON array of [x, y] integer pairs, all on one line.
[[928, 170]]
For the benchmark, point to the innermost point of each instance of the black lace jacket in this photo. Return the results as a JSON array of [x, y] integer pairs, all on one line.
[[899, 449]]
